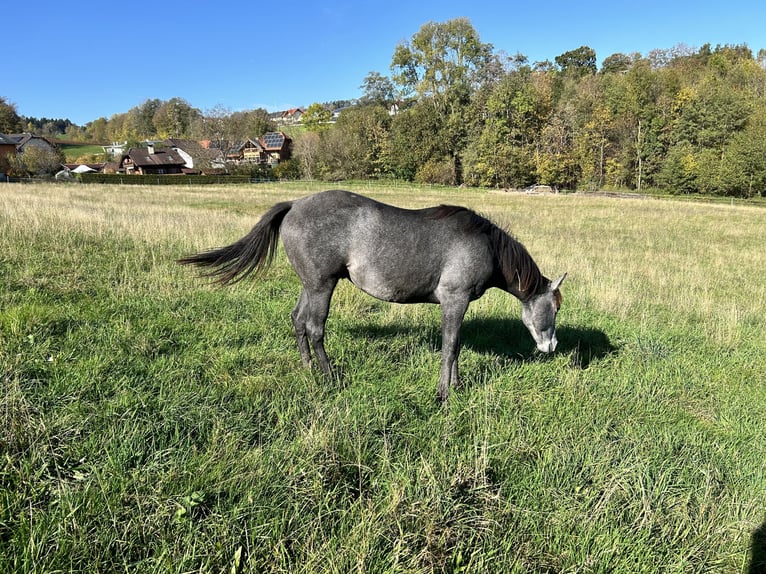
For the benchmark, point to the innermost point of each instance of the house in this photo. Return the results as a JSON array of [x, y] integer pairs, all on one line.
[[151, 161], [7, 150], [15, 145], [253, 151], [287, 117], [249, 151], [27, 141], [271, 148], [198, 156], [115, 149], [277, 146]]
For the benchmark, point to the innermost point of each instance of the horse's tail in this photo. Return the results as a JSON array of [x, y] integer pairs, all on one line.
[[253, 253]]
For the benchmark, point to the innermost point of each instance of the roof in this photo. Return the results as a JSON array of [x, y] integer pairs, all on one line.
[[256, 143], [270, 141], [163, 157], [6, 140], [194, 149], [274, 141], [239, 146], [23, 139], [286, 114]]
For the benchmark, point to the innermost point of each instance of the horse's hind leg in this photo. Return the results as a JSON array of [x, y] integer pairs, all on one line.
[[299, 322], [309, 318], [319, 308]]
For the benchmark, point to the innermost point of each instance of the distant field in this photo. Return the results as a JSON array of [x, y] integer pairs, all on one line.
[[74, 151], [150, 422]]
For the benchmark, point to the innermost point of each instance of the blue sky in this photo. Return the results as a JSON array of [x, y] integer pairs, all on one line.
[[83, 60]]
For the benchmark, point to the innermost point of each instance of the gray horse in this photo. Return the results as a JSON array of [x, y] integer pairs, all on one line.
[[447, 255]]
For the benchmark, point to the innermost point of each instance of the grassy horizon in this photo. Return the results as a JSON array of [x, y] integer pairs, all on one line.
[[152, 422]]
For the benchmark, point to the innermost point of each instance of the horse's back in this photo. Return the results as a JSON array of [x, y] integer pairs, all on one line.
[[336, 219], [391, 253]]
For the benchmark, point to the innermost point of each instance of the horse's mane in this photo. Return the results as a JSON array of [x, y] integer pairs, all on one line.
[[514, 261]]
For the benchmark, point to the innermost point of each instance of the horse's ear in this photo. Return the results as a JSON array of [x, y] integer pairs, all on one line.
[[557, 283]]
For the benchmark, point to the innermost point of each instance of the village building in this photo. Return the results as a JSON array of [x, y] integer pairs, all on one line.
[[287, 117], [13, 144], [151, 161], [270, 149], [7, 148]]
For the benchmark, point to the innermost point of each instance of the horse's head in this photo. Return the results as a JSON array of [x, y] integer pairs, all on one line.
[[539, 315]]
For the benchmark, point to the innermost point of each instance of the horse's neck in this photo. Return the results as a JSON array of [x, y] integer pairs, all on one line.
[[520, 274], [515, 287]]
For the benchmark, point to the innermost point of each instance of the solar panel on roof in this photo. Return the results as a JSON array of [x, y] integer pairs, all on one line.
[[273, 139]]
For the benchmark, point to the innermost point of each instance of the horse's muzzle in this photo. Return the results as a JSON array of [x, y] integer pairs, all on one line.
[[548, 346]]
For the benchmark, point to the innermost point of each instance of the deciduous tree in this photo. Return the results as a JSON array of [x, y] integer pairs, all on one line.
[[377, 89], [98, 130], [36, 161], [10, 122], [316, 117], [441, 65], [364, 130], [577, 63], [174, 118], [440, 59]]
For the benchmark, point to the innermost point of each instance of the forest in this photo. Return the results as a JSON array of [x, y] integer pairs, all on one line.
[[456, 111]]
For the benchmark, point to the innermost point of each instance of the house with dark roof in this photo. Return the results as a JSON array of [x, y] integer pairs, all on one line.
[[250, 150], [7, 150], [14, 145], [7, 141], [26, 141], [151, 161], [271, 148], [277, 145]]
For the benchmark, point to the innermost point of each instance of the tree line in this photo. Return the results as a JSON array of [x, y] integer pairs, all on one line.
[[456, 111], [681, 120]]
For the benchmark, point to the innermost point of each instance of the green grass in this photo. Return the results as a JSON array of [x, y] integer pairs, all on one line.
[[152, 423], [74, 151]]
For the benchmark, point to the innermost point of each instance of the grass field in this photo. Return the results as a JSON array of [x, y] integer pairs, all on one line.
[[150, 422], [72, 151]]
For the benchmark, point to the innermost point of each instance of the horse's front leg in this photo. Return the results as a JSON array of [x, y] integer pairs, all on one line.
[[453, 312]]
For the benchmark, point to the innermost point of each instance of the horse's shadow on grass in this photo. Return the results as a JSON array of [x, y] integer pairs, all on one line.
[[510, 338], [758, 551], [507, 338]]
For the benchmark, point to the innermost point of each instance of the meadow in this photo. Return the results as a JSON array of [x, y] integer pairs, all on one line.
[[73, 152], [152, 422]]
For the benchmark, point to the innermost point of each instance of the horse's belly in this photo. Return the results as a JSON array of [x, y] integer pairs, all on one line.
[[393, 288]]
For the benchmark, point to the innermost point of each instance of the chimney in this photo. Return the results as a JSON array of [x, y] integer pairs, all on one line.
[[150, 148]]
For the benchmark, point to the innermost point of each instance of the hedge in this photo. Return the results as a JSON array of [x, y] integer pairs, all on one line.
[[163, 179]]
